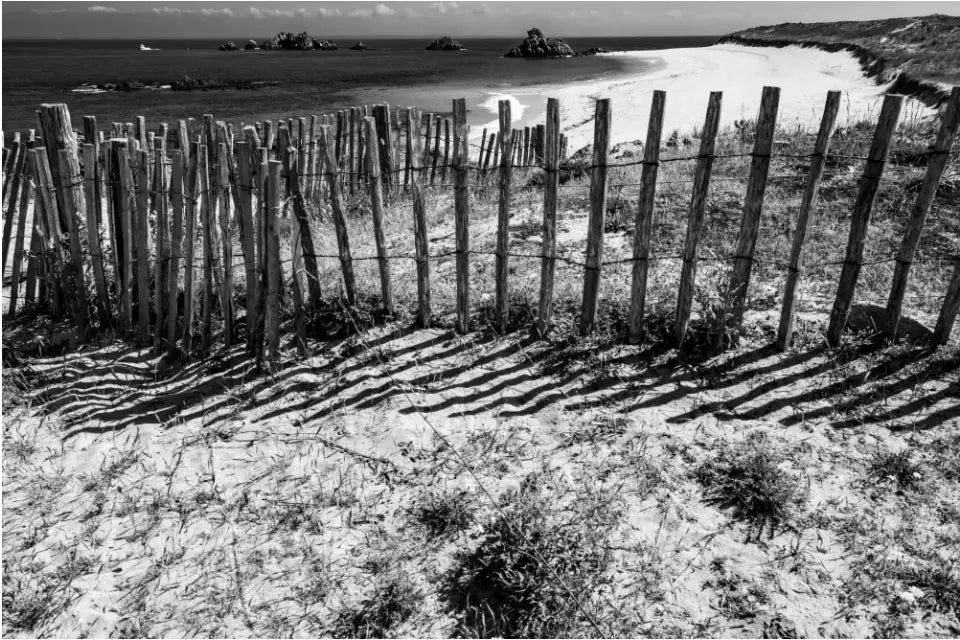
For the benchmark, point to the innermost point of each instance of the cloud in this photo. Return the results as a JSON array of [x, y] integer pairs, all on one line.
[[99, 8], [383, 10], [177, 11], [328, 13], [360, 13], [167, 11], [271, 13], [676, 14], [443, 7], [217, 12]]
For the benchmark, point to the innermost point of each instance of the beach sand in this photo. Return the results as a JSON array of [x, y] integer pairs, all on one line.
[[689, 75]]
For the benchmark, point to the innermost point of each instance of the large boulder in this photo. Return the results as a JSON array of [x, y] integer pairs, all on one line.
[[359, 47], [251, 45], [536, 45], [229, 45], [446, 43]]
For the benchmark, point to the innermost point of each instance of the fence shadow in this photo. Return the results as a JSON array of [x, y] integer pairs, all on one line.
[[441, 374]]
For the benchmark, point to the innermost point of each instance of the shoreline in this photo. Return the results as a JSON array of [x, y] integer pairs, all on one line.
[[804, 76]]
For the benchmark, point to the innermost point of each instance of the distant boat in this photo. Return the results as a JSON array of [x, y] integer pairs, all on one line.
[[144, 47]]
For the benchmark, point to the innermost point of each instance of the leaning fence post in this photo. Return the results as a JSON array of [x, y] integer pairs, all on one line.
[[753, 203], [551, 185], [867, 195], [376, 204], [162, 246], [598, 205], [928, 190], [701, 184], [503, 226], [644, 223], [950, 308], [12, 183], [305, 238], [807, 207], [461, 212], [189, 268], [339, 217], [26, 193]]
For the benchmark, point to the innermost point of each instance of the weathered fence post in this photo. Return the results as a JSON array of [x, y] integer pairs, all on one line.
[[701, 184], [376, 204], [598, 206], [125, 235], [339, 217], [176, 246], [142, 244], [436, 150], [867, 195], [807, 208], [551, 185], [950, 308], [461, 212], [503, 227], [421, 245], [921, 206], [272, 261], [644, 223], [753, 203], [191, 186], [162, 250], [93, 235], [248, 237], [26, 189], [11, 185]]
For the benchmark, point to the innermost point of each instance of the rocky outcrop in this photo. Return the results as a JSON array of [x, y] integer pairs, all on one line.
[[592, 51], [251, 45], [536, 45], [229, 45], [287, 41], [446, 43], [359, 47]]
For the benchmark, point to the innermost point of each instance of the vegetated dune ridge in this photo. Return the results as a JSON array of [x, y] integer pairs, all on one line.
[[916, 56]]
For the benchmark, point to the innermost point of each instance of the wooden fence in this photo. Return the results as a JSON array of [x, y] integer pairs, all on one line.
[[106, 228]]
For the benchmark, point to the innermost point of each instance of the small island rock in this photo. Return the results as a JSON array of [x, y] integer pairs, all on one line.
[[359, 47], [251, 45], [446, 43], [229, 45], [536, 45], [592, 51]]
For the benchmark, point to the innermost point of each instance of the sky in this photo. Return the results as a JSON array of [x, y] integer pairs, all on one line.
[[331, 19]]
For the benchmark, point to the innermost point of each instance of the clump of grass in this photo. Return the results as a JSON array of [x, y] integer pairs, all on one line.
[[738, 597], [897, 467], [504, 588], [443, 513], [749, 480], [394, 599]]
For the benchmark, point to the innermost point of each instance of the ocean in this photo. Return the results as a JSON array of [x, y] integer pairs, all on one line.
[[395, 71]]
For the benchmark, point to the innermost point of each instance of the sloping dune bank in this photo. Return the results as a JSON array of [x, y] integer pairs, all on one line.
[[688, 76]]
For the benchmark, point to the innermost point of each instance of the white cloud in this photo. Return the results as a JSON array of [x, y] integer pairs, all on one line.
[[327, 13], [360, 13], [217, 12], [383, 10], [99, 8], [443, 7]]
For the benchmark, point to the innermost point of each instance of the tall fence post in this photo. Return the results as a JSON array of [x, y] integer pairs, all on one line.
[[27, 192], [176, 246], [461, 212], [93, 235], [376, 203], [420, 241], [551, 185], [753, 203], [598, 206], [867, 195], [125, 235], [807, 208], [644, 223], [921, 206], [503, 226], [339, 216], [701, 185], [162, 251], [308, 253], [272, 260]]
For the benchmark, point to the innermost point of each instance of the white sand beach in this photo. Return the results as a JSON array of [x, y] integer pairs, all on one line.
[[689, 75]]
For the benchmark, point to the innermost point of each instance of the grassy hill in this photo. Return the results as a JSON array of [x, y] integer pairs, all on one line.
[[918, 55]]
